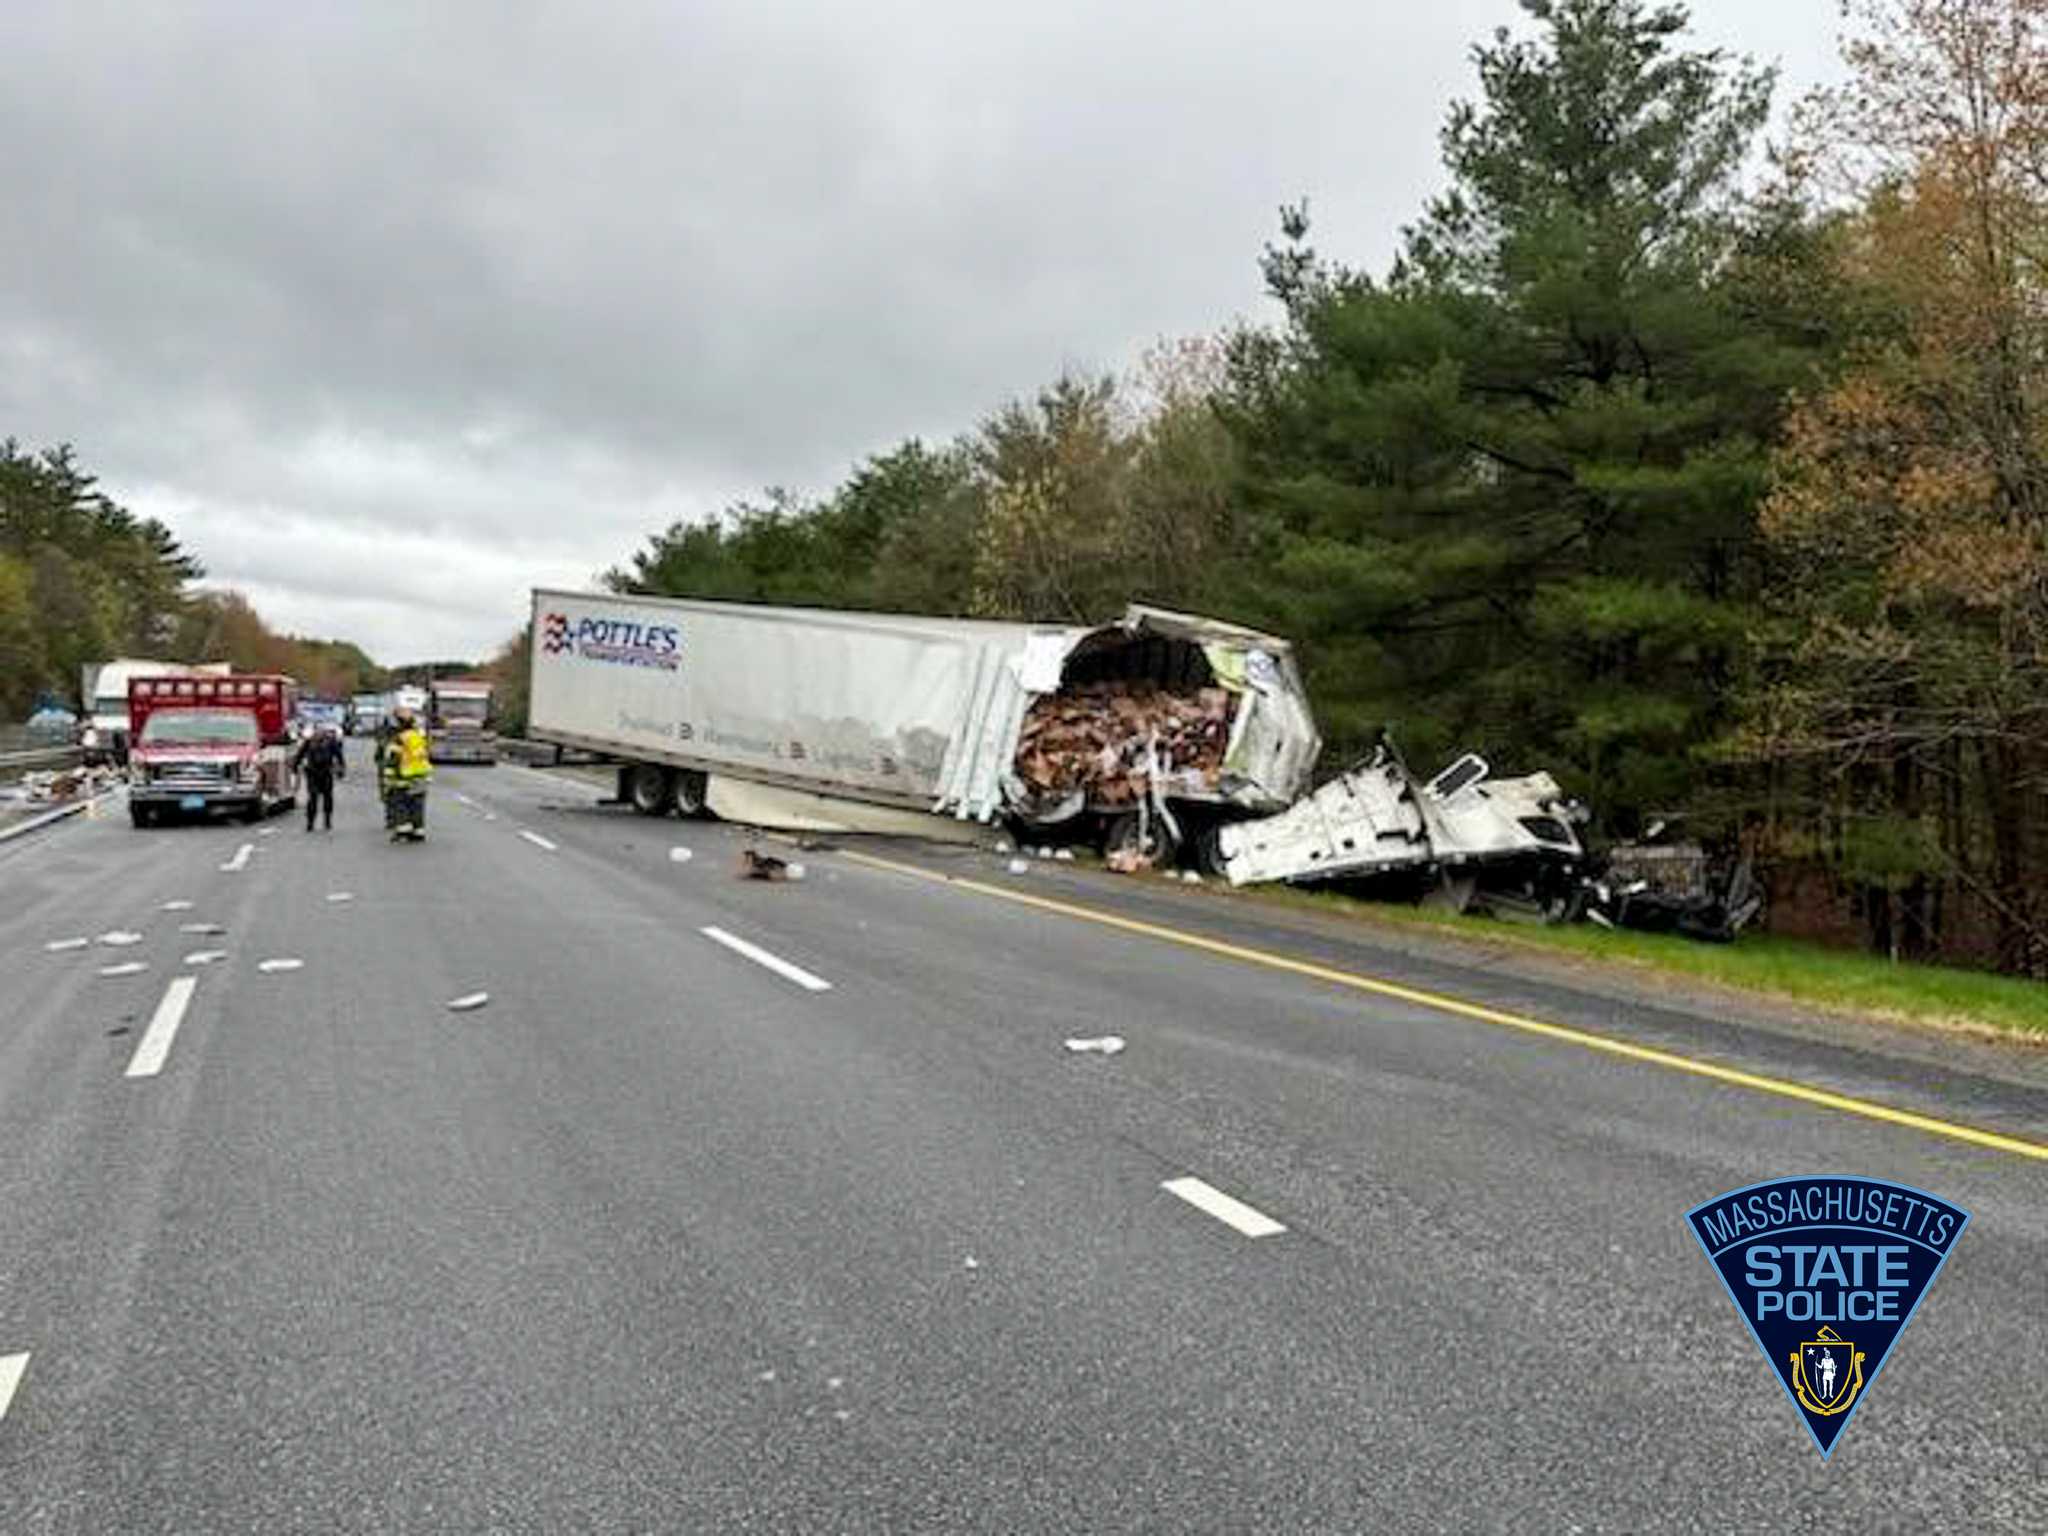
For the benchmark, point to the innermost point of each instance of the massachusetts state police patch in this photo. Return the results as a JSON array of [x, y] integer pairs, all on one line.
[[1827, 1271]]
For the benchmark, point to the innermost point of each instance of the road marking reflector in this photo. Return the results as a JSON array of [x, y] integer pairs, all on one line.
[[537, 840], [11, 1369], [1628, 1050], [1232, 1213], [155, 1046], [775, 963]]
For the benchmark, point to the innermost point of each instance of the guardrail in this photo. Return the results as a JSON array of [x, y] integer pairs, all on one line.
[[13, 764]]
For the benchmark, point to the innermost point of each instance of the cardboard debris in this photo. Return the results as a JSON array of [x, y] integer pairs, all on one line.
[[59, 788], [755, 865], [1111, 740]]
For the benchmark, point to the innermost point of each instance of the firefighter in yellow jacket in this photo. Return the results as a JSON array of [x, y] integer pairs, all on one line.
[[403, 770]]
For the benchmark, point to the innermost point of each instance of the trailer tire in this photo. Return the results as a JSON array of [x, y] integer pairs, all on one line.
[[649, 788], [142, 815], [1120, 833], [691, 788]]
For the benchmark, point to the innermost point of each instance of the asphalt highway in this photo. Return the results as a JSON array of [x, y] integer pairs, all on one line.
[[742, 1205]]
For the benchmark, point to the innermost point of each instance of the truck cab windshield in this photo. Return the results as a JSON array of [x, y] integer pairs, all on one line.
[[199, 727], [460, 709]]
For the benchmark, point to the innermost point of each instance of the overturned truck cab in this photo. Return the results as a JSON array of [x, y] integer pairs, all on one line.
[[1512, 845]]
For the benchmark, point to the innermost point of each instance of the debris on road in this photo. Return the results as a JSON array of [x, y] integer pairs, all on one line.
[[755, 865], [469, 1002], [1063, 855], [1190, 877], [680, 855], [58, 788], [341, 896], [201, 929], [177, 906], [58, 946], [1019, 867], [971, 1263], [125, 968], [120, 939], [205, 956], [796, 871], [1003, 845], [1044, 852], [273, 967], [1127, 861], [1103, 1045]]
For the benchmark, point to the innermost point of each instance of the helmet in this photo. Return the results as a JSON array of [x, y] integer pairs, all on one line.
[[403, 715]]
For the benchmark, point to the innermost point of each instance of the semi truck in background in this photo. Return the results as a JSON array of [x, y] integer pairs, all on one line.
[[366, 713], [1138, 734], [459, 721], [207, 743], [103, 731]]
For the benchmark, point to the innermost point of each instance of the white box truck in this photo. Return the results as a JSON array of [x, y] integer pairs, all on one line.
[[1193, 721]]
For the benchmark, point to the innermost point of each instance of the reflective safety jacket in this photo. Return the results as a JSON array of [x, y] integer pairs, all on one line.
[[405, 757]]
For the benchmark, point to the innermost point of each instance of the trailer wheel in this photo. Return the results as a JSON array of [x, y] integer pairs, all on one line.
[[142, 815], [1120, 835], [650, 789], [690, 788]]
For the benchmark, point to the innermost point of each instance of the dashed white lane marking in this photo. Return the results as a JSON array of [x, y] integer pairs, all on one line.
[[1232, 1213], [155, 1046], [240, 861], [775, 963], [537, 840], [11, 1369]]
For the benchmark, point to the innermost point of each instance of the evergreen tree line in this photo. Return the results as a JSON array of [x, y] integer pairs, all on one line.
[[83, 579], [1710, 479]]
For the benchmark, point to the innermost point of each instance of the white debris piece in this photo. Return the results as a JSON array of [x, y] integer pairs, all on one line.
[[468, 1002], [201, 928], [177, 906], [680, 855], [205, 956], [1189, 877], [1102, 1045], [266, 832], [1018, 867], [794, 872], [118, 939], [1003, 845], [57, 946], [126, 968], [1064, 855], [972, 1262], [1044, 851], [341, 896], [272, 967]]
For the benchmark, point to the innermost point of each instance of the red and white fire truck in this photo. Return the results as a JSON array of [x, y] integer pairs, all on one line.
[[204, 744]]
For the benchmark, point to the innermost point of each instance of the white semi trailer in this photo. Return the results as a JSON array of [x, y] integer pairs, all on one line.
[[906, 711]]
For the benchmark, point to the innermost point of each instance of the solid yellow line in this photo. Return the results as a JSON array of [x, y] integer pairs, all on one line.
[[1650, 1055]]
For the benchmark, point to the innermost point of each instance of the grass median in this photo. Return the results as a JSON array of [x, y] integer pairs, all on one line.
[[1796, 970]]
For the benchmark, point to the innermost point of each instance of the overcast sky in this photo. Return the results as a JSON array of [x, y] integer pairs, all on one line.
[[394, 311]]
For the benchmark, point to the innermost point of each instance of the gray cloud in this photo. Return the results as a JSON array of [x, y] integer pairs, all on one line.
[[396, 310]]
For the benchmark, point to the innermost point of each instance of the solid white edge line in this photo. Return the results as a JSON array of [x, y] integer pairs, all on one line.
[[1231, 1212], [775, 963], [537, 840], [11, 1369], [155, 1046]]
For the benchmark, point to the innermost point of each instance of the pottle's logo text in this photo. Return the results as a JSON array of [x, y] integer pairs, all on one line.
[[620, 642], [1827, 1272]]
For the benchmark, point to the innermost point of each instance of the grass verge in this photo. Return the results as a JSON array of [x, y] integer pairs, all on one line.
[[1792, 969]]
